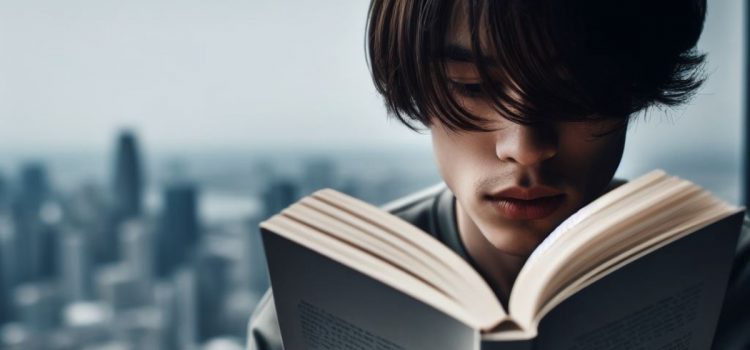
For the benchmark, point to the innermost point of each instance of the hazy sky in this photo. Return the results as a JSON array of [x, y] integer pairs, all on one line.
[[234, 74], [188, 73]]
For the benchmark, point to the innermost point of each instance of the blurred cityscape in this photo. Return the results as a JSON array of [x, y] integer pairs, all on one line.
[[139, 259]]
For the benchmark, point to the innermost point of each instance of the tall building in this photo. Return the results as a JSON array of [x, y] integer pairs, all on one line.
[[87, 210], [166, 300], [35, 188], [45, 250], [75, 266], [30, 235], [4, 192], [128, 177], [117, 286], [187, 311], [179, 230], [136, 250], [213, 267], [8, 268]]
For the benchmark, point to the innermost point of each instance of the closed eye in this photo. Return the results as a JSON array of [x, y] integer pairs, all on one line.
[[467, 89]]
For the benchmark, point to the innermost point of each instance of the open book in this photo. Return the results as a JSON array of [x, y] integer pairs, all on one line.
[[644, 266]]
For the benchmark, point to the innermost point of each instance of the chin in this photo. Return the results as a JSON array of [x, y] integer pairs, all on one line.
[[513, 241]]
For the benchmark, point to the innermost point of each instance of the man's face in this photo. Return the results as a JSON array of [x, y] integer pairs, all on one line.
[[518, 182]]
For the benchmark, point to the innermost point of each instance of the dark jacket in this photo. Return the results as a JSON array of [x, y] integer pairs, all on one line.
[[432, 210]]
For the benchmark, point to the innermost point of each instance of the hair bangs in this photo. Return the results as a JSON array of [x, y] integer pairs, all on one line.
[[405, 46], [519, 56], [538, 60]]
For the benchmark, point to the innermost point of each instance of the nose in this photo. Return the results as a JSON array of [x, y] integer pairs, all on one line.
[[527, 145]]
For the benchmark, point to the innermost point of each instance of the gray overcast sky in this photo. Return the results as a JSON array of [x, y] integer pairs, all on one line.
[[193, 74], [188, 73]]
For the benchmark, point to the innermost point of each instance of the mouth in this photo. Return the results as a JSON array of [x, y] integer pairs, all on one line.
[[518, 203]]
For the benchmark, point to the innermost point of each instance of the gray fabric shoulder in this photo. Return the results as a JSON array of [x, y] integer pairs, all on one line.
[[416, 208], [263, 328]]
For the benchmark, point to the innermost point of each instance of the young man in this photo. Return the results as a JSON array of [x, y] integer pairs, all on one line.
[[528, 103]]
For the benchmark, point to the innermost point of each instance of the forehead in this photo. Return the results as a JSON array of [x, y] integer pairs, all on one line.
[[458, 33], [458, 27]]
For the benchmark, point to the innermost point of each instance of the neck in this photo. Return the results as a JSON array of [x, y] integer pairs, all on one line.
[[498, 268]]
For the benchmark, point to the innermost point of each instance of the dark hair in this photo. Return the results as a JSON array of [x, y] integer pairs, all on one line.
[[558, 60]]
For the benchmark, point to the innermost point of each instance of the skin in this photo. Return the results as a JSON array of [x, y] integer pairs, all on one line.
[[566, 156]]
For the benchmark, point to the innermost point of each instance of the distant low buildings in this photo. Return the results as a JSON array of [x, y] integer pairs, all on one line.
[[98, 267]]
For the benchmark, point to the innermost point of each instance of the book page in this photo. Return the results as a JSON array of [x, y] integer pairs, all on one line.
[[640, 213], [616, 195], [386, 246], [668, 299], [443, 256], [476, 292], [323, 304]]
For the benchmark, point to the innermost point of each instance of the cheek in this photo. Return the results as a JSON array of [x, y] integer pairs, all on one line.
[[593, 162], [446, 153], [461, 158]]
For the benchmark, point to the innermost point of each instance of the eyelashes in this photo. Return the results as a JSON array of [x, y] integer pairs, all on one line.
[[467, 89]]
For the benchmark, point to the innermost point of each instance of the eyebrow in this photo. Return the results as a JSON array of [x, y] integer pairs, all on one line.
[[454, 52]]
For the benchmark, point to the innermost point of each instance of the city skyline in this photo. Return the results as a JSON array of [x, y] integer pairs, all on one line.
[[94, 264]]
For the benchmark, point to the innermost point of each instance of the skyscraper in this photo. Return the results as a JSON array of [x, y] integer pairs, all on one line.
[[4, 192], [30, 238], [75, 266], [128, 177], [8, 268], [213, 267], [34, 187], [179, 231], [136, 246], [187, 311]]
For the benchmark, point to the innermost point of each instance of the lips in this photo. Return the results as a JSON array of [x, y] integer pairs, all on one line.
[[519, 203]]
